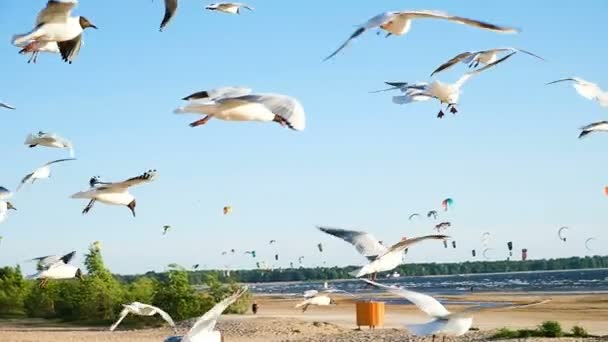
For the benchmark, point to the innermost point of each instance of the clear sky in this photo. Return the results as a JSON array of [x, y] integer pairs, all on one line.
[[510, 159]]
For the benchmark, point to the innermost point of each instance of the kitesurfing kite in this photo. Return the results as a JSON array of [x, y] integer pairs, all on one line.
[[166, 229], [447, 203], [562, 233], [414, 215], [432, 214]]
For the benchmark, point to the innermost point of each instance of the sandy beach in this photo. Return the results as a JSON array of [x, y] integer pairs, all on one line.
[[277, 320]]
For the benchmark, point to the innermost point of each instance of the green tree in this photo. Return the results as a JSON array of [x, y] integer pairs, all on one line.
[[13, 291]]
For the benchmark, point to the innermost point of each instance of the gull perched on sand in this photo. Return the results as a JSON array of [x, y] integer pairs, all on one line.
[[444, 322], [316, 300], [55, 24], [43, 172], [4, 105], [448, 94], [239, 104], [228, 7], [5, 205], [484, 57], [142, 309], [56, 268], [399, 23], [49, 140], [203, 328], [601, 126], [114, 193], [588, 90]]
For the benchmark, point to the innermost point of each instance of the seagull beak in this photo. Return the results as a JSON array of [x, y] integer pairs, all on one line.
[[93, 26], [10, 206]]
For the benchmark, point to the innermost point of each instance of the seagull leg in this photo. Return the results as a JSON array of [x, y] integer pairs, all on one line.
[[433, 340], [282, 121], [453, 109], [201, 121], [443, 339], [88, 207], [441, 114]]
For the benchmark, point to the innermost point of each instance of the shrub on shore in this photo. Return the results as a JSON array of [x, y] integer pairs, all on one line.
[[546, 329]]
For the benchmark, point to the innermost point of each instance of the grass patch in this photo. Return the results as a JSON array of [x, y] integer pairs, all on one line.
[[546, 329]]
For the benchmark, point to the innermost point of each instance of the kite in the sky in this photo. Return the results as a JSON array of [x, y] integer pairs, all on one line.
[[166, 229], [432, 214], [562, 233], [414, 215], [447, 203]]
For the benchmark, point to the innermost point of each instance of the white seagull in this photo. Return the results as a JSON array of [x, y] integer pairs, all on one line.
[[448, 94], [4, 105], [43, 172], [114, 193], [5, 205], [142, 309], [475, 58], [49, 140], [325, 289], [170, 10], [36, 49], [316, 300], [228, 7], [444, 322], [238, 104], [56, 268], [588, 90], [55, 24], [400, 22], [203, 328], [601, 126]]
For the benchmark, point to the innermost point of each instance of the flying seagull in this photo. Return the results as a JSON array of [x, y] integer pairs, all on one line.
[[49, 140], [140, 309], [601, 126], [203, 328], [43, 172], [399, 23], [239, 104], [55, 267], [5, 205], [475, 58], [588, 90], [316, 300], [445, 93], [4, 105], [55, 24], [325, 289], [228, 7], [114, 193], [444, 322]]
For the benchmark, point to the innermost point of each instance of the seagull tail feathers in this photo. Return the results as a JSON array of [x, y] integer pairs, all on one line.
[[82, 194], [30, 140], [21, 40], [180, 110]]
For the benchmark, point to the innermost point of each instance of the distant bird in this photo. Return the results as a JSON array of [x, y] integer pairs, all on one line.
[[445, 93], [394, 256], [588, 90], [166, 229], [227, 210], [484, 57], [325, 289], [140, 309], [4, 105], [170, 10], [600, 126], [399, 23], [5, 205], [238, 104], [195, 266], [36, 49], [203, 328], [444, 322], [52, 267], [228, 7], [316, 300], [49, 140], [114, 193], [54, 24], [43, 172]]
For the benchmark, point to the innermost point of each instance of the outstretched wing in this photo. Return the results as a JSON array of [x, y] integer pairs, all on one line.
[[146, 177], [286, 107], [4, 105], [122, 316], [505, 307], [366, 244], [209, 319], [425, 303], [423, 14], [170, 9], [165, 316], [59, 161], [470, 74], [56, 12], [461, 57]]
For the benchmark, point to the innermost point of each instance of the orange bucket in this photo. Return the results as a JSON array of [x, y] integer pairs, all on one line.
[[370, 314]]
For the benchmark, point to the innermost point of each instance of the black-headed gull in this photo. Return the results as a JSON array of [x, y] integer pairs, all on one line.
[[203, 328], [588, 90], [43, 172], [238, 104], [316, 300], [55, 24], [484, 57], [5, 205], [4, 105], [228, 7], [141, 309], [444, 322], [170, 10], [49, 140], [399, 23], [448, 94], [114, 193], [55, 268], [600, 126]]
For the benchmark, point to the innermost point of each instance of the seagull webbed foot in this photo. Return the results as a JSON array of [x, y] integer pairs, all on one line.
[[441, 114], [453, 110]]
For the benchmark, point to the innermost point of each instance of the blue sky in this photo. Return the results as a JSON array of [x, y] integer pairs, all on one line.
[[510, 159]]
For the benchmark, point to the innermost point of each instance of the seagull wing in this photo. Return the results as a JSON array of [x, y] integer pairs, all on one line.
[[70, 49], [5, 193], [56, 12], [425, 303], [209, 319], [594, 125], [25, 180], [46, 261], [470, 74], [460, 20], [505, 307], [526, 52], [365, 243], [218, 94], [68, 257], [407, 243], [412, 96], [122, 316], [170, 9], [146, 177], [286, 107], [4, 105], [461, 57], [165, 316], [586, 89], [58, 161]]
